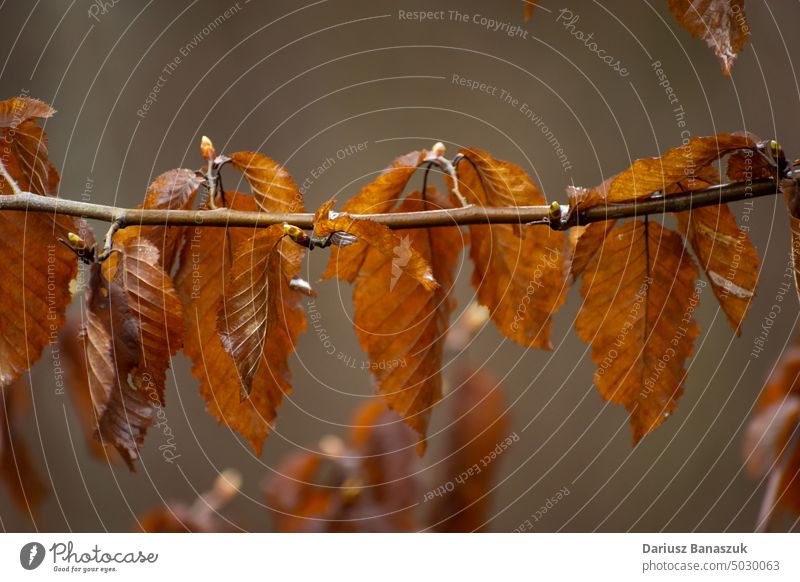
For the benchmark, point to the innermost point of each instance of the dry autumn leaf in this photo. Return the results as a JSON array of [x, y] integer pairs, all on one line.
[[272, 186], [134, 324], [518, 274], [380, 195], [172, 190], [649, 175], [637, 314], [402, 324], [25, 146], [724, 252], [721, 23], [38, 270], [205, 265], [250, 310]]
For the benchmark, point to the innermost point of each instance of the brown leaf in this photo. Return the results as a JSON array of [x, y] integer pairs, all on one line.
[[72, 348], [37, 269], [477, 430], [518, 275], [402, 324], [589, 242], [639, 299], [172, 190], [727, 256], [134, 325], [111, 337], [205, 265], [379, 196], [792, 196], [249, 312], [721, 23], [650, 175], [368, 486], [384, 241], [24, 151], [17, 468], [771, 441], [272, 186], [530, 7]]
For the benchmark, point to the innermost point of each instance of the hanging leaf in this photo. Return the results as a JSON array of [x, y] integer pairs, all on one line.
[[401, 323], [724, 252], [477, 430], [379, 196], [250, 312], [637, 314], [72, 348], [37, 269], [590, 241], [205, 265], [133, 326], [721, 23], [518, 274], [24, 151]]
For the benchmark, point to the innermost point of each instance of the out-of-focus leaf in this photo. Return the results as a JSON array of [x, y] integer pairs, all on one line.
[[720, 23], [477, 437]]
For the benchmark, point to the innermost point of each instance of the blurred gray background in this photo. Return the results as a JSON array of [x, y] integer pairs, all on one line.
[[299, 82]]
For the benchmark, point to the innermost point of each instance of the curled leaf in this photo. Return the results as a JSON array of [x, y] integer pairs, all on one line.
[[383, 240], [518, 274]]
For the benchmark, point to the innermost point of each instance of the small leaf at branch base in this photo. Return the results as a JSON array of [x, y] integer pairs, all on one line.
[[379, 196], [639, 299], [384, 241]]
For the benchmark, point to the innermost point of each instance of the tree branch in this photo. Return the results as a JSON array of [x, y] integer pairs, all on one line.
[[537, 215]]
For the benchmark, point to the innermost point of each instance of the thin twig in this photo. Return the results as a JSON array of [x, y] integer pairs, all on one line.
[[538, 215]]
